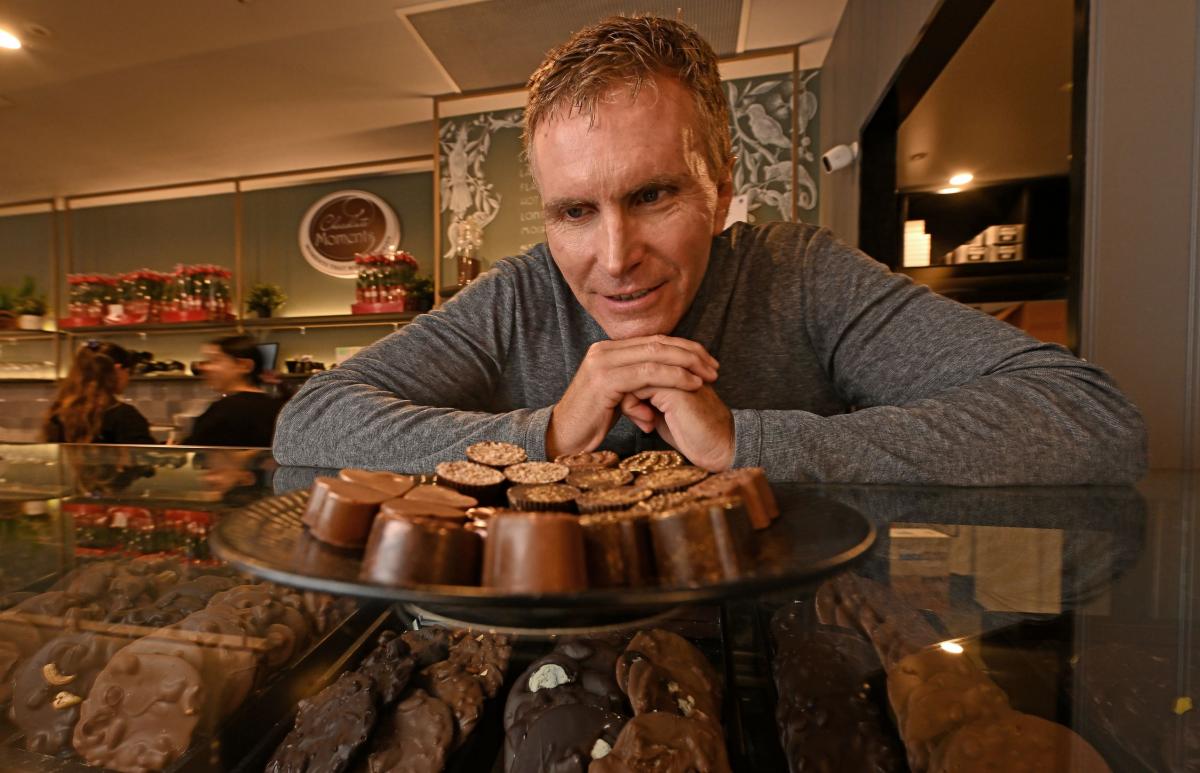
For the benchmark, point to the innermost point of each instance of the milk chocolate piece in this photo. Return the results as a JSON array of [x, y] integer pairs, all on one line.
[[649, 461], [274, 615], [414, 738], [316, 498], [941, 706], [588, 459], [660, 502], [329, 729], [748, 483], [389, 666], [536, 473], [345, 513], [442, 495], [404, 551], [618, 550], [388, 482], [462, 692], [493, 453], [661, 671], [483, 655], [612, 499], [672, 478], [421, 506], [1016, 743], [534, 553], [44, 686], [564, 738], [474, 480], [543, 496], [428, 645], [702, 542], [659, 742], [140, 714], [598, 478]]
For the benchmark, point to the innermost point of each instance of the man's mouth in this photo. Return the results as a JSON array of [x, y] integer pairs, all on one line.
[[633, 296]]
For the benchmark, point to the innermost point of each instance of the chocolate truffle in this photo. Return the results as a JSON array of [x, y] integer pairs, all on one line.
[[140, 714], [566, 739], [493, 453], [534, 553], [474, 480], [442, 495], [649, 461], [672, 478], [588, 459], [702, 542], [598, 478], [661, 671], [344, 514], [748, 483], [665, 743], [1016, 743], [534, 473], [414, 738], [409, 550], [543, 496], [618, 549], [612, 499], [51, 684], [329, 729], [388, 482]]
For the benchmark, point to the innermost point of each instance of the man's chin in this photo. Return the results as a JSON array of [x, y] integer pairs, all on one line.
[[621, 329]]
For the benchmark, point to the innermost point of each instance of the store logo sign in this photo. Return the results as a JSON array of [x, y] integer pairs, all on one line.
[[344, 224]]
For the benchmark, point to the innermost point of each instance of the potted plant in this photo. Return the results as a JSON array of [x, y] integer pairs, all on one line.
[[263, 299], [30, 305], [7, 318]]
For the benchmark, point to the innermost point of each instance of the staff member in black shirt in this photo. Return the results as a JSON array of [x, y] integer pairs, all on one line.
[[87, 408], [246, 415]]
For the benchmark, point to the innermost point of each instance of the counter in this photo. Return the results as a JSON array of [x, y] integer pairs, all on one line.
[[1078, 602]]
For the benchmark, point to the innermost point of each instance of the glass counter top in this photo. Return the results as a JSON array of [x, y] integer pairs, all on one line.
[[1079, 602]]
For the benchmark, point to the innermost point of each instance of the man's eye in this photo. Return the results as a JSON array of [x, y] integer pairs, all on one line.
[[649, 196], [573, 213]]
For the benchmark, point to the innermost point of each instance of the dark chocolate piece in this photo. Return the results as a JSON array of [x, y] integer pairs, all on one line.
[[141, 712], [483, 655], [659, 742], [389, 666], [428, 645], [534, 553], [50, 685], [565, 739], [329, 729], [414, 737]]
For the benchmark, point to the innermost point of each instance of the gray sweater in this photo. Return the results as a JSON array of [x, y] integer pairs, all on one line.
[[835, 370]]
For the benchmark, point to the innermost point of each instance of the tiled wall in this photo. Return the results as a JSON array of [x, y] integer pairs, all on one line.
[[23, 405]]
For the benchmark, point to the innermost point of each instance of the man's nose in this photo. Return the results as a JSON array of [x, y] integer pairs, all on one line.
[[619, 252]]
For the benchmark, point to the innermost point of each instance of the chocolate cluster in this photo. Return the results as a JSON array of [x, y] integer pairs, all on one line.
[[125, 662], [415, 698], [584, 520], [604, 705]]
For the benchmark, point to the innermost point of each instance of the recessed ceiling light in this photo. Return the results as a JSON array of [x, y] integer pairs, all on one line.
[[9, 40], [951, 189], [953, 647], [962, 178]]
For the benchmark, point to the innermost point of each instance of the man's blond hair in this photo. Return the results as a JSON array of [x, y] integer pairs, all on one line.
[[631, 51]]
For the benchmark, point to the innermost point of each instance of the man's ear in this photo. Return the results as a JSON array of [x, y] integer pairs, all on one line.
[[724, 197]]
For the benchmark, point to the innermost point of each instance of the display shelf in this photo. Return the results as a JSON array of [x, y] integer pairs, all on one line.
[[15, 335], [150, 327], [329, 320]]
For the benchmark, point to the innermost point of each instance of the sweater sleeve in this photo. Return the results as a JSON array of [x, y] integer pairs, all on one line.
[[418, 396], [943, 393]]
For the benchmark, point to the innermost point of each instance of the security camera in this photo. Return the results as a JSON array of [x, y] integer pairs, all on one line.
[[839, 157]]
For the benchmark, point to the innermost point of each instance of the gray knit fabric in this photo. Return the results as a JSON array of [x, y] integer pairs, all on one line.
[[835, 368]]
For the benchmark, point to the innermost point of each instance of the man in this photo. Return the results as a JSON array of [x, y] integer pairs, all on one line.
[[640, 324]]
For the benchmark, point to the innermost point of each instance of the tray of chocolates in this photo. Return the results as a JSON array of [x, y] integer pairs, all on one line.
[[582, 541]]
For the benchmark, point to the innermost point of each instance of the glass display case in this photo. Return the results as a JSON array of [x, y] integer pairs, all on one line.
[[1064, 607]]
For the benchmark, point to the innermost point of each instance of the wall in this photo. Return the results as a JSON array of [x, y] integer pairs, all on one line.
[[1141, 277], [1140, 315]]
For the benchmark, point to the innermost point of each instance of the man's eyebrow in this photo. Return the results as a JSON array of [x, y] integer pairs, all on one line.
[[563, 203], [658, 181]]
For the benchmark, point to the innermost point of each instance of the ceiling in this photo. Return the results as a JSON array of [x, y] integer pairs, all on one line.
[[1001, 109], [108, 95]]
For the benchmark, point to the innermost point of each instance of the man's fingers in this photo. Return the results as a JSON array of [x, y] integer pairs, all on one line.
[[664, 349], [639, 413]]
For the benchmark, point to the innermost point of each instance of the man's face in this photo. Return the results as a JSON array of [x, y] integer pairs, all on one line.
[[630, 206]]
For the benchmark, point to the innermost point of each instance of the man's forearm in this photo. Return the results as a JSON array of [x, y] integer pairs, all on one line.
[[337, 421], [1002, 430]]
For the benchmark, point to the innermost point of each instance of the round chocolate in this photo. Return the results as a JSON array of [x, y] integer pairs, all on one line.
[[543, 496], [672, 478], [605, 500], [442, 495], [493, 453], [660, 502], [536, 472], [749, 483], [649, 461], [388, 482], [598, 478], [702, 542], [414, 738], [404, 551], [534, 553], [417, 507], [618, 549], [588, 459], [345, 513], [468, 477]]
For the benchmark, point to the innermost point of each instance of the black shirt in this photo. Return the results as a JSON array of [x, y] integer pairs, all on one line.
[[120, 423], [239, 419]]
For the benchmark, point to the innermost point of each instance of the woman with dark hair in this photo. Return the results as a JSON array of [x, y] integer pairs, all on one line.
[[87, 409], [245, 414]]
